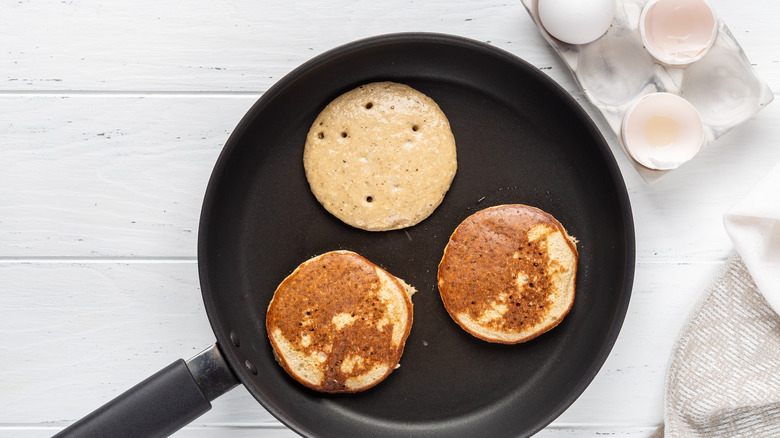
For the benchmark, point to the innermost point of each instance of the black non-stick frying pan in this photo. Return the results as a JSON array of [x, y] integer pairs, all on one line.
[[520, 139]]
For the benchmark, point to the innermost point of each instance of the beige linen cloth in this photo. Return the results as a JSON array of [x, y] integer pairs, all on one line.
[[723, 378]]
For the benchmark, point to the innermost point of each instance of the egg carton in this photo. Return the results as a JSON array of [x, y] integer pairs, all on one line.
[[616, 70]]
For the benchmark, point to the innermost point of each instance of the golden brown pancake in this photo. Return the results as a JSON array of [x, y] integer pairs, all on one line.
[[338, 323], [380, 157], [508, 273]]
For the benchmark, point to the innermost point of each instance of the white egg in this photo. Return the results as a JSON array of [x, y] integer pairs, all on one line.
[[678, 32], [662, 131], [576, 21]]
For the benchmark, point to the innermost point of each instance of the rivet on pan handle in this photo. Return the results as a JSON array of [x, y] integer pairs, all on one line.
[[161, 404]]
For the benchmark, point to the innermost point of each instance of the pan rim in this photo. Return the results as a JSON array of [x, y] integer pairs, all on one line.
[[607, 157]]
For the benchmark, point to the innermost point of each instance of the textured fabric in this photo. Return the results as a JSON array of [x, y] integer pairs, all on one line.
[[723, 378]]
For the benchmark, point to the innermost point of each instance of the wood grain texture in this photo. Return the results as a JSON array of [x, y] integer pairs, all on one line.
[[108, 176], [113, 114], [224, 46], [78, 334], [124, 176], [247, 46]]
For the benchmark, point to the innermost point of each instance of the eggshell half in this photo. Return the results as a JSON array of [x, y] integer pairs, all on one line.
[[678, 32], [662, 131]]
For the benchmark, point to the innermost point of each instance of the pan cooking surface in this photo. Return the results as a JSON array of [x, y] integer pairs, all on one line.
[[520, 139]]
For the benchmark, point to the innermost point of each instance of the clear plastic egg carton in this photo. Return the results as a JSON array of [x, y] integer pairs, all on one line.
[[615, 71]]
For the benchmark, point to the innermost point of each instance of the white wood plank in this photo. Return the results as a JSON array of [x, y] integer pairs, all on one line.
[[597, 430], [76, 335], [236, 46], [108, 176], [247, 46], [124, 176]]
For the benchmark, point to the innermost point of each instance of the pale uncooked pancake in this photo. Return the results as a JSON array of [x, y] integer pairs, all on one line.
[[508, 273], [380, 157]]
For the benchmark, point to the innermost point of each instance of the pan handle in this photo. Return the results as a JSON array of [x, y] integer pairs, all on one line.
[[161, 404]]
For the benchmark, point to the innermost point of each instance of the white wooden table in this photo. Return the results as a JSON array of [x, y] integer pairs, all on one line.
[[112, 115]]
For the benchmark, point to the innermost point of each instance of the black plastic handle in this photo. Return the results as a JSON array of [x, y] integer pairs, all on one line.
[[161, 404]]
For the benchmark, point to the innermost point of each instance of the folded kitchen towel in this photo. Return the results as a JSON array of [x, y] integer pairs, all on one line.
[[723, 378], [754, 226]]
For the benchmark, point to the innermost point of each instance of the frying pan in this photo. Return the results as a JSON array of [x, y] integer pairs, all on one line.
[[520, 139]]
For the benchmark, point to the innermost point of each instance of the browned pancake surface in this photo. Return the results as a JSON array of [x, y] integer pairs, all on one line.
[[332, 309], [498, 262]]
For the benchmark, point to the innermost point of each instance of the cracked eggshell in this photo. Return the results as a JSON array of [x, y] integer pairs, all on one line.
[[662, 131], [678, 32]]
